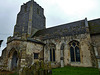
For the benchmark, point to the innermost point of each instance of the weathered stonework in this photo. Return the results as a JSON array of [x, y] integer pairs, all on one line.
[[84, 40], [25, 52], [75, 44], [29, 19]]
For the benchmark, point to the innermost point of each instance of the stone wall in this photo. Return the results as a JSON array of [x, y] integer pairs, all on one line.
[[25, 52], [96, 42], [96, 47], [3, 60], [85, 50], [34, 48], [0, 61]]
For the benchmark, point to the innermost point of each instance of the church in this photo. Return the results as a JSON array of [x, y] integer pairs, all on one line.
[[75, 44]]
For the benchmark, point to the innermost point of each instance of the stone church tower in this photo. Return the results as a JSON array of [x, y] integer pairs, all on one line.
[[21, 49], [30, 19]]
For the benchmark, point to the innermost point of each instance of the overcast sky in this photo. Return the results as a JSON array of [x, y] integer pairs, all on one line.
[[56, 12]]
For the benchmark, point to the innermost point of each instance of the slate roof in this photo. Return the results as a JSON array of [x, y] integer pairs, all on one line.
[[35, 41], [94, 26], [28, 39], [72, 28]]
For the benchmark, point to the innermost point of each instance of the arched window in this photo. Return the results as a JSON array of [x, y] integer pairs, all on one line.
[[52, 52], [74, 51]]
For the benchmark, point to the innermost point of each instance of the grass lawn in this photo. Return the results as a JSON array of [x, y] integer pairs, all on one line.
[[68, 70]]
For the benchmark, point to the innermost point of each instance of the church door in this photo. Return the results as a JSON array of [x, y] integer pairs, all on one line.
[[14, 61]]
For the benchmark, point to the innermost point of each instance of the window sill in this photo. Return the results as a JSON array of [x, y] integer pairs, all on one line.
[[75, 62]]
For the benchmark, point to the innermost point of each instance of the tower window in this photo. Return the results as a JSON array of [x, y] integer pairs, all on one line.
[[38, 11], [25, 8]]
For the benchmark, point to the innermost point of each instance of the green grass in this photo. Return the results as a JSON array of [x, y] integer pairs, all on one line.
[[68, 70], [14, 74]]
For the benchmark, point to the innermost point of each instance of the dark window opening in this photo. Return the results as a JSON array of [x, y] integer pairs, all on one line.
[[38, 11], [72, 54], [52, 55], [25, 8], [74, 44], [74, 51], [77, 52], [36, 55]]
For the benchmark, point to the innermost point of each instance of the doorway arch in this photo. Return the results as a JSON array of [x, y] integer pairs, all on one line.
[[14, 61]]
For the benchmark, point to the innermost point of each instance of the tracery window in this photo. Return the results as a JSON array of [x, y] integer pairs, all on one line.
[[74, 51]]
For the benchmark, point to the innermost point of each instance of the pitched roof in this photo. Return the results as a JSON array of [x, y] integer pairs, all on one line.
[[73, 28], [94, 26], [35, 41]]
